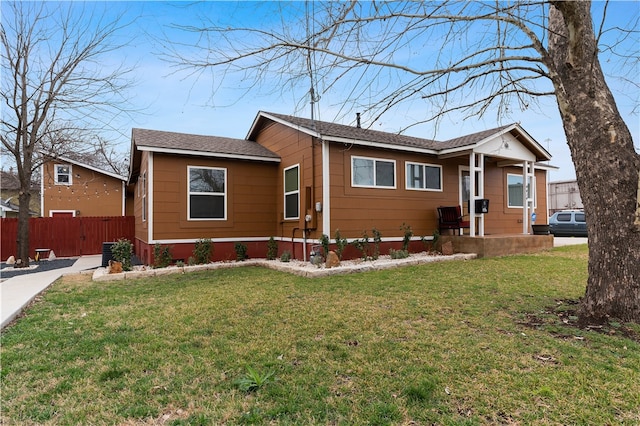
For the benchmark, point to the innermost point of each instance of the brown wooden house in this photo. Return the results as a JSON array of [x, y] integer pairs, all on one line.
[[295, 179], [71, 188]]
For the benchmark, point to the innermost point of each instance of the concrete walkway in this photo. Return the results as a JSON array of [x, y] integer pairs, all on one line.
[[569, 241], [18, 292]]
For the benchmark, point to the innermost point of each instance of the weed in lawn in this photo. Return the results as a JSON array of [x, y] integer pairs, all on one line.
[[254, 380]]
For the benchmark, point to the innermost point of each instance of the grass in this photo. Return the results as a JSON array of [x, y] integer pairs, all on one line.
[[459, 343]]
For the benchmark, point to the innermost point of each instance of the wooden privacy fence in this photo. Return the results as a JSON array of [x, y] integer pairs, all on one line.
[[66, 236]]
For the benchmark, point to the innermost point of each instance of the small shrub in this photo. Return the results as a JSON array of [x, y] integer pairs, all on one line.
[[191, 261], [398, 254], [285, 256], [341, 244], [272, 249], [202, 251], [362, 245], [377, 239], [408, 233], [431, 244], [180, 263], [253, 380], [161, 256], [241, 251], [324, 240], [122, 251]]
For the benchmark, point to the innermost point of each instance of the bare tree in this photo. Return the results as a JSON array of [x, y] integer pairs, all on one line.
[[57, 89], [470, 58]]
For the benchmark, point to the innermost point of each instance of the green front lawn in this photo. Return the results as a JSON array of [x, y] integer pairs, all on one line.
[[467, 342]]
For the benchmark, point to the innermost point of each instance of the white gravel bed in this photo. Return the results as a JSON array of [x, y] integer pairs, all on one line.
[[297, 267]]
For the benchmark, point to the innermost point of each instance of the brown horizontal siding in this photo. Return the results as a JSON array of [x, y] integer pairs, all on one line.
[[357, 209], [250, 199]]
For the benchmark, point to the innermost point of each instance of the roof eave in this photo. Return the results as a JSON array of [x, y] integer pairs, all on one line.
[[390, 146], [264, 115], [86, 166], [207, 154]]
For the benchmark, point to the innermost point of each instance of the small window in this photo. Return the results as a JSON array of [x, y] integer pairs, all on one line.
[[373, 173], [514, 191], [564, 217], [424, 177], [63, 174], [207, 193], [580, 217], [292, 192]]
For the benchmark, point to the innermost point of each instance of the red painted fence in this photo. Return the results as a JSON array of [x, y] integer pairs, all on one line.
[[66, 236]]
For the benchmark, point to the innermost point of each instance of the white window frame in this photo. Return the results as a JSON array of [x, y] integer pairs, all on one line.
[[375, 161], [290, 193], [56, 174], [531, 186], [424, 166], [214, 194]]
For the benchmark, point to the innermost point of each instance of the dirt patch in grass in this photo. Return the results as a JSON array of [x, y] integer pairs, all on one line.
[[563, 321]]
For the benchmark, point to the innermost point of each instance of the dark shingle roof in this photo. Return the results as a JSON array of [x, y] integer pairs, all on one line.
[[471, 139], [161, 140], [333, 130]]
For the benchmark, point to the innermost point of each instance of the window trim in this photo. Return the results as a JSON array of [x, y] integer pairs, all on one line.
[[423, 165], [56, 174], [531, 184], [217, 194], [285, 193], [375, 160], [144, 195]]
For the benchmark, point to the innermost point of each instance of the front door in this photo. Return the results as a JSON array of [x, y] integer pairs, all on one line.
[[465, 189]]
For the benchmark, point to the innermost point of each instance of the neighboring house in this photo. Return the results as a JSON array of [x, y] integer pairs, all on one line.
[[10, 191], [564, 195], [9, 209], [295, 179], [71, 188]]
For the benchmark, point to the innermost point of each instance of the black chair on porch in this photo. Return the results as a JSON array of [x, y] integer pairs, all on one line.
[[450, 217]]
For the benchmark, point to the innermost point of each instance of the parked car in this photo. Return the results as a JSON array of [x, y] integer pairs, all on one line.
[[568, 223]]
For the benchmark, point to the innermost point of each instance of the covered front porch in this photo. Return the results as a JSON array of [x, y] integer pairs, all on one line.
[[499, 245]]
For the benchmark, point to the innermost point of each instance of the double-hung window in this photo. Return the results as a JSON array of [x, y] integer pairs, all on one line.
[[515, 190], [292, 192], [62, 174], [207, 193], [426, 177], [373, 172]]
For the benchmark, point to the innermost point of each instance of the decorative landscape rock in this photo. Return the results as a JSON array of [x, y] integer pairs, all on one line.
[[447, 248], [115, 267], [332, 260], [11, 260]]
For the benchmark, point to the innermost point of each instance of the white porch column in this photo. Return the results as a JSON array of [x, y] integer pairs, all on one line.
[[527, 195], [480, 192], [472, 194]]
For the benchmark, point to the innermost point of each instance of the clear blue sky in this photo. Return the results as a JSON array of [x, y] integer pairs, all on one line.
[[182, 103]]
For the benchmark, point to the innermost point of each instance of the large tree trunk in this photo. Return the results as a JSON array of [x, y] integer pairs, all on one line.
[[23, 227], [606, 164]]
